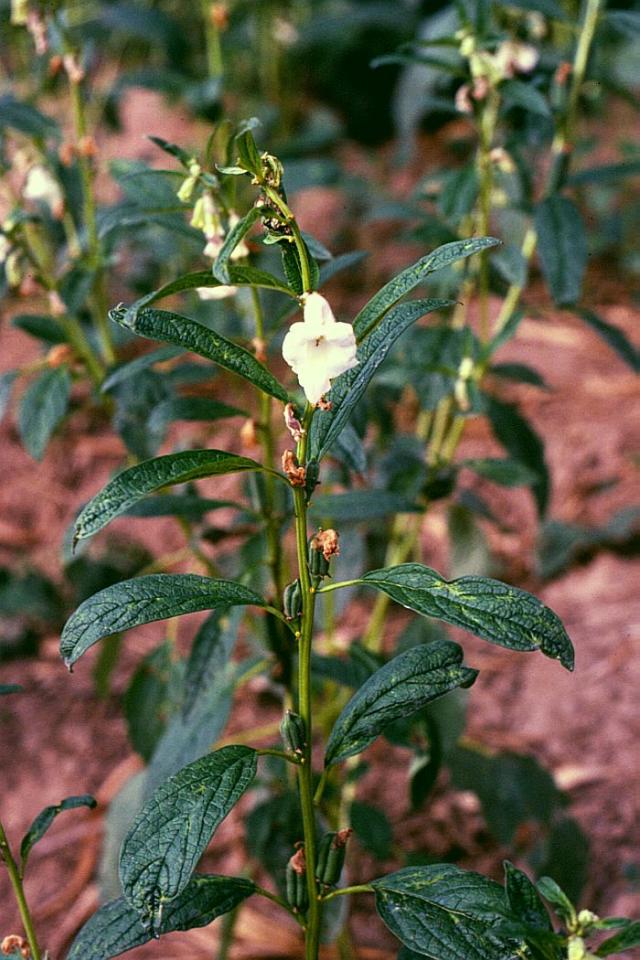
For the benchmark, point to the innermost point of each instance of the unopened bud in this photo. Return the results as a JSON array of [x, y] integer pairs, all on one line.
[[19, 12], [60, 355], [75, 72], [57, 305], [87, 146], [186, 189], [220, 16], [259, 349], [66, 153], [194, 168], [13, 268], [38, 30], [248, 434]]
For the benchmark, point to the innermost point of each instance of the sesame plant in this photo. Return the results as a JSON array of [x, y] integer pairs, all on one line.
[[435, 910]]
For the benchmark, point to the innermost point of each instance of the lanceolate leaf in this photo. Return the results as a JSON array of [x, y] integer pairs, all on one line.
[[143, 600], [492, 610], [397, 689], [348, 388], [240, 277], [116, 927], [614, 337], [173, 830], [443, 912], [42, 407], [126, 370], [562, 246], [221, 268], [393, 291], [191, 408], [626, 939], [522, 443], [44, 820], [184, 332], [135, 483]]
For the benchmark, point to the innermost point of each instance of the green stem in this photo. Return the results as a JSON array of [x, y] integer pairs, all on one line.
[[305, 770], [16, 882], [301, 246], [488, 120], [87, 179], [215, 63]]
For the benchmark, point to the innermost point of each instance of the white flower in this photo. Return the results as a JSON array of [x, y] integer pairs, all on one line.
[[241, 250], [42, 187], [319, 348], [216, 293], [513, 57]]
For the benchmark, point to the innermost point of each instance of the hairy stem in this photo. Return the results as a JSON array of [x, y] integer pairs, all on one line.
[[15, 879]]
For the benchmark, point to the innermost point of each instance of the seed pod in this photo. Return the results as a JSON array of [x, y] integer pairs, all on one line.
[[311, 479], [292, 600], [294, 733], [331, 856], [296, 882]]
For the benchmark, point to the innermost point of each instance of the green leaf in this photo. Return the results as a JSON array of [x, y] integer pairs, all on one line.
[[552, 892], [372, 828], [191, 408], [248, 155], [607, 173], [492, 610], [130, 369], [172, 149], [26, 118], [174, 828], [522, 443], [135, 483], [6, 383], [44, 820], [613, 337], [193, 336], [116, 927], [562, 246], [628, 938], [347, 389], [176, 505], [146, 702], [41, 327], [519, 372], [42, 407], [144, 600], [393, 291], [626, 22], [221, 267], [241, 276], [443, 912], [398, 689], [7, 688], [523, 898], [355, 506], [508, 473], [525, 95]]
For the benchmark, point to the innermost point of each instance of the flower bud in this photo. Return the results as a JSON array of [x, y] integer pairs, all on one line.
[[187, 186]]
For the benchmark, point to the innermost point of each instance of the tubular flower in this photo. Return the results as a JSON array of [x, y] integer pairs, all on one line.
[[319, 348], [41, 187]]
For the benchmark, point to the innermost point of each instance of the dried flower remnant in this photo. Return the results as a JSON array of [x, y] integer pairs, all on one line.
[[292, 423], [296, 474], [318, 349], [327, 542], [15, 944]]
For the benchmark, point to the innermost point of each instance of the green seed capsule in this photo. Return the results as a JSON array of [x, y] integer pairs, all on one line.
[[296, 882], [294, 733], [331, 856], [292, 600], [318, 565]]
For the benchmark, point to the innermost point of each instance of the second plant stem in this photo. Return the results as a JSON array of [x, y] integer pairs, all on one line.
[[305, 769], [15, 879]]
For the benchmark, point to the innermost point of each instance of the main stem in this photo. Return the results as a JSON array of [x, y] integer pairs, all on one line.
[[18, 890], [305, 769]]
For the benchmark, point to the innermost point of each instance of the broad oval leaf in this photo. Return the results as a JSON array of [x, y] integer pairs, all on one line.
[[393, 291], [562, 247], [173, 829], [174, 328], [443, 912], [136, 482], [116, 927], [524, 900], [348, 388], [398, 689], [489, 608], [144, 600]]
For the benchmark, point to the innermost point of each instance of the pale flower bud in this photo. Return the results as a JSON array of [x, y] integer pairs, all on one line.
[[19, 12], [41, 187], [319, 349], [185, 191], [241, 250], [216, 293]]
